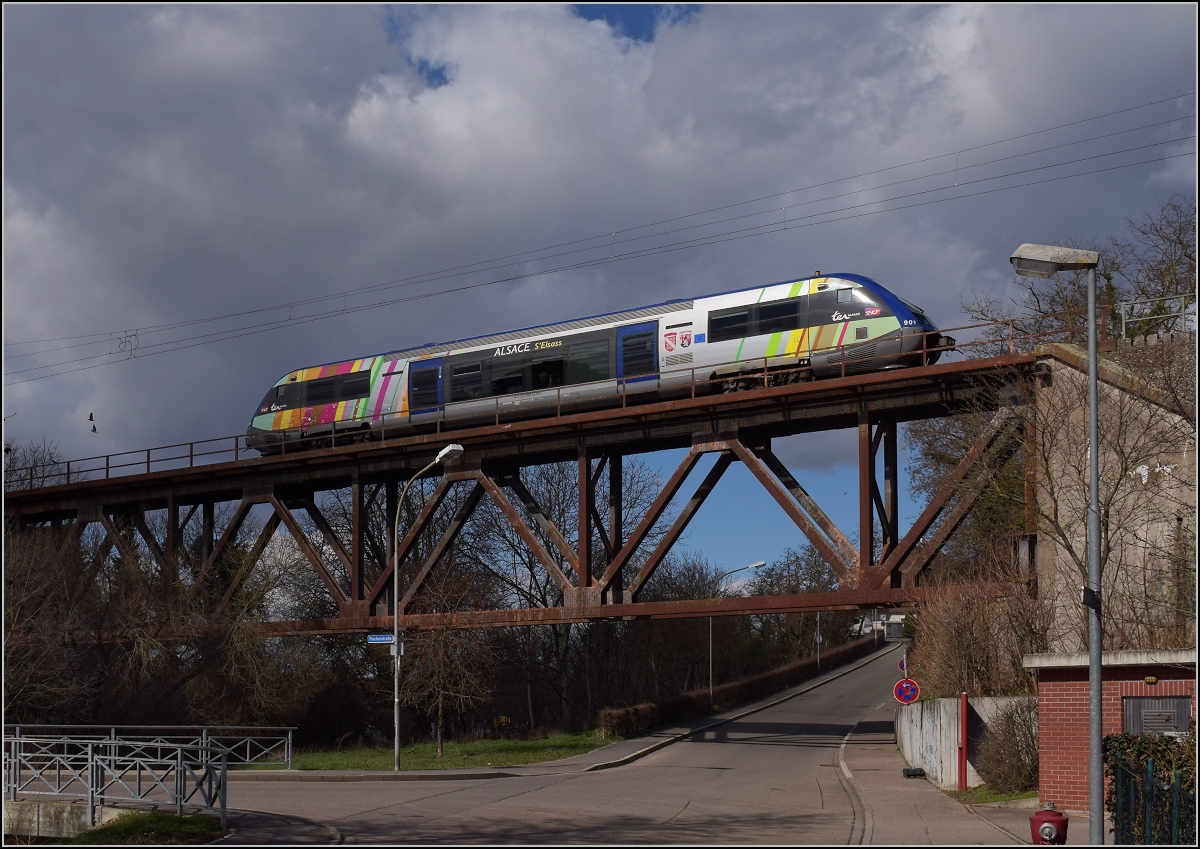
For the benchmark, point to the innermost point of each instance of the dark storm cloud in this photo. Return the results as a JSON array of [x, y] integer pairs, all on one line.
[[167, 163]]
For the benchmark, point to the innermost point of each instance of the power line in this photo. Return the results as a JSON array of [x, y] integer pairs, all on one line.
[[499, 262], [694, 242], [735, 235]]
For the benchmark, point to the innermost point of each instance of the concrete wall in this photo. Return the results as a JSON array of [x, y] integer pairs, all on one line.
[[928, 736], [24, 818]]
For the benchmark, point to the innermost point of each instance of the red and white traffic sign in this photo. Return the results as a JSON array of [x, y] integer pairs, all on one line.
[[901, 664], [906, 691]]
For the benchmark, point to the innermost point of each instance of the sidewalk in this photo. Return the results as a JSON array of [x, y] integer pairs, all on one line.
[[890, 809], [912, 811]]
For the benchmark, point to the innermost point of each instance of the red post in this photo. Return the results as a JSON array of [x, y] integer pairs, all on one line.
[[962, 742]]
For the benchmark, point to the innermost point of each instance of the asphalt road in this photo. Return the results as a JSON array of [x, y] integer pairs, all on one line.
[[771, 777]]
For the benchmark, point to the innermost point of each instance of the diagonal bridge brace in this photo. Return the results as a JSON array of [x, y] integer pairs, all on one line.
[[998, 434]]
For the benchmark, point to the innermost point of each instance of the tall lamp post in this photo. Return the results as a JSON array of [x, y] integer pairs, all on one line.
[[450, 452], [1045, 261], [717, 586]]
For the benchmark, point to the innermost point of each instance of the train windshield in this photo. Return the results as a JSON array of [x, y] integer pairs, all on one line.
[[917, 312]]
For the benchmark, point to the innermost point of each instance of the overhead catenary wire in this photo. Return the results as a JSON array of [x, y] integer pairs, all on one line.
[[728, 237], [694, 242], [610, 236], [613, 242]]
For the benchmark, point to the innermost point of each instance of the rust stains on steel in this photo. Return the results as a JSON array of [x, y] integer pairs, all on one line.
[[807, 406], [737, 427], [739, 606]]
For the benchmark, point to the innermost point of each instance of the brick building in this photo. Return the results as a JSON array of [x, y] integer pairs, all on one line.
[[1130, 703]]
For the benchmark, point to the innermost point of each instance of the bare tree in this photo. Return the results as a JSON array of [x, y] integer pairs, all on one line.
[[1157, 263], [33, 464], [448, 668], [1146, 455]]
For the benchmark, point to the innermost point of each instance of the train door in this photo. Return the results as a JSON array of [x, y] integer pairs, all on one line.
[[637, 356], [425, 390]]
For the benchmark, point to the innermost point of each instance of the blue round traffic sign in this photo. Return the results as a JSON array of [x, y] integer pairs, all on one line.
[[906, 691]]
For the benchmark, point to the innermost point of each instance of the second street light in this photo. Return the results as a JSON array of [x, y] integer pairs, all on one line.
[[716, 587], [447, 454], [1046, 261]]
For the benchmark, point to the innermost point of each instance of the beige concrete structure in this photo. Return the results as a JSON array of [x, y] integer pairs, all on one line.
[[1147, 497], [27, 818]]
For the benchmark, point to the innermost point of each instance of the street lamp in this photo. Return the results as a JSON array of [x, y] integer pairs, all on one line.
[[1045, 261], [447, 454], [717, 586]]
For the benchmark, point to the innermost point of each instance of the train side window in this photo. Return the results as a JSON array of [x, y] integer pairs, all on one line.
[[280, 391], [588, 361], [466, 382], [423, 388], [323, 391], [777, 317], [507, 376], [355, 386], [548, 372], [637, 353], [724, 325], [845, 296]]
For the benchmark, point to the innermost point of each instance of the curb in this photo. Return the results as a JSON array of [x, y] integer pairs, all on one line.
[[312, 775]]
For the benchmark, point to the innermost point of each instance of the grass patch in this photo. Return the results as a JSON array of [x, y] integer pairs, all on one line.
[[147, 828], [983, 794], [478, 753]]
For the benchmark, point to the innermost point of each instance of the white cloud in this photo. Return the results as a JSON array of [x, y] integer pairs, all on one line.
[[171, 163]]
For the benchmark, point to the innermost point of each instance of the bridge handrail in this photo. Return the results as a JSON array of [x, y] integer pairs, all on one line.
[[176, 774], [244, 744], [41, 475]]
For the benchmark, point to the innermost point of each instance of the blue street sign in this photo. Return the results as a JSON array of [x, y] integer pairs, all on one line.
[[380, 638]]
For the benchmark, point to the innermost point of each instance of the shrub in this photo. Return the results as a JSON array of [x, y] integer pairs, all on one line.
[[1008, 753]]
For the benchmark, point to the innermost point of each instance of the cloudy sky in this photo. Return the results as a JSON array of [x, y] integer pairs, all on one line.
[[198, 199]]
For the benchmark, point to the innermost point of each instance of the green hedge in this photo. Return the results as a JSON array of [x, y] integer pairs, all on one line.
[[631, 721], [1170, 755]]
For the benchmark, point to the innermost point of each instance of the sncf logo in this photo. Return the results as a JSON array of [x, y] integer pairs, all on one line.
[[869, 311]]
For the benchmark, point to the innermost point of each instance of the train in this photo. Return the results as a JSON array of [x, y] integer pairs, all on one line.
[[798, 330]]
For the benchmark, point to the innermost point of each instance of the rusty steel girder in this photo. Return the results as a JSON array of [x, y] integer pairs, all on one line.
[[355, 567]]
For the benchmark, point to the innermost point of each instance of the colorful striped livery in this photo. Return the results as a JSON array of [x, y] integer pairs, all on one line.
[[793, 331]]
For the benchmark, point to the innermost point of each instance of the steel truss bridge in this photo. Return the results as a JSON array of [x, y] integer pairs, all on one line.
[[185, 482]]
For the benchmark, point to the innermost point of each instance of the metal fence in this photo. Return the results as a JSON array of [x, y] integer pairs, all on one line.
[[1151, 812], [114, 771], [243, 744], [1158, 315]]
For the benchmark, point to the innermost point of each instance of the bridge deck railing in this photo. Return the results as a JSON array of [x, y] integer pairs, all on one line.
[[987, 337]]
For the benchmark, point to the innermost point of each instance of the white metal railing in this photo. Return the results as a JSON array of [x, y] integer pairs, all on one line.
[[1147, 312]]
